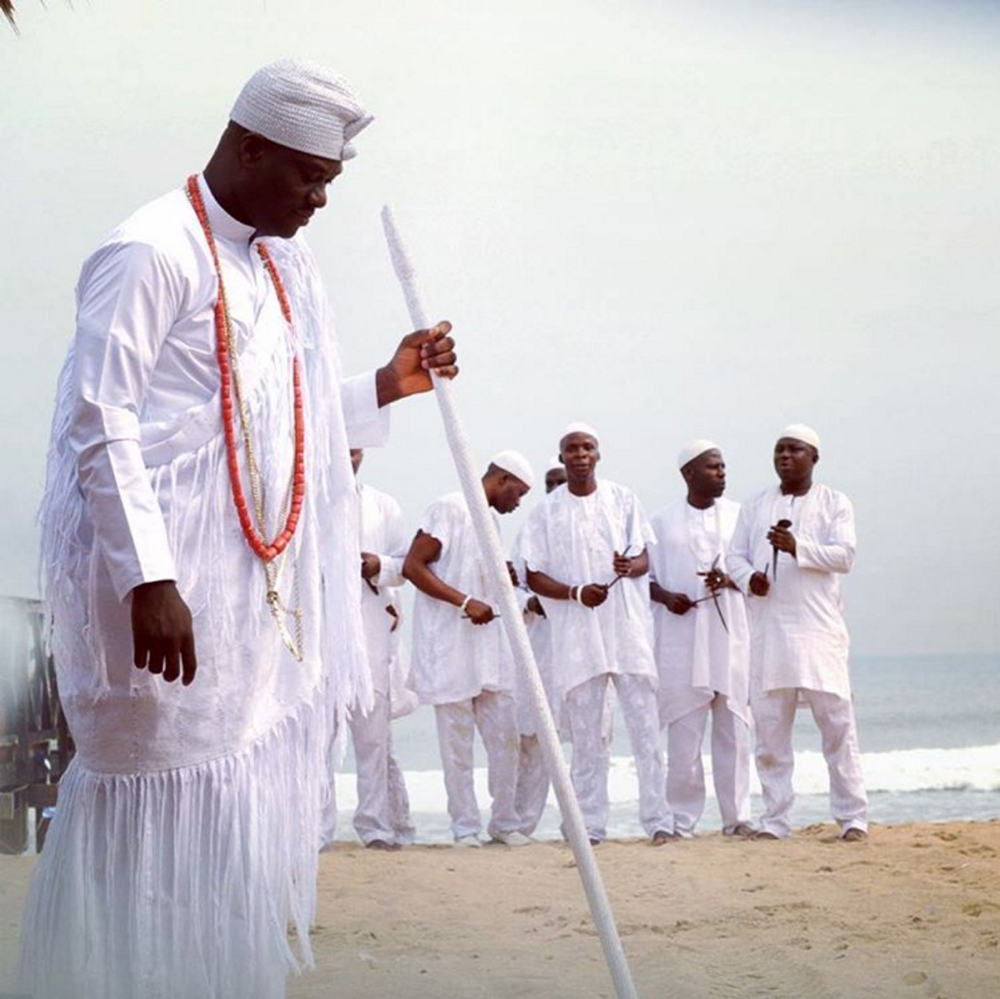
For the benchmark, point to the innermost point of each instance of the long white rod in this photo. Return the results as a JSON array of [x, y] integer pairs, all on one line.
[[517, 634]]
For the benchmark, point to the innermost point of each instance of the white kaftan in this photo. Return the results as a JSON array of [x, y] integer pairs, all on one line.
[[695, 655], [452, 658], [703, 668], [799, 646], [188, 825], [798, 634]]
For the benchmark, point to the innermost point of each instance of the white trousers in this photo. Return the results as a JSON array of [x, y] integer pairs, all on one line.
[[532, 784], [492, 712], [383, 810], [730, 766], [592, 752], [774, 716]]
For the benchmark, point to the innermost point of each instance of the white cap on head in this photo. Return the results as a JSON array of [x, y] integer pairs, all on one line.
[[302, 106], [800, 432], [516, 464], [693, 449], [578, 428], [555, 465]]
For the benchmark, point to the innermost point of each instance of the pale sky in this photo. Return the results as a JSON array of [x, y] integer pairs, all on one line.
[[669, 219]]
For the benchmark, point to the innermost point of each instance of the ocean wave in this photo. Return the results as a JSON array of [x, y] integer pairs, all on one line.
[[976, 768]]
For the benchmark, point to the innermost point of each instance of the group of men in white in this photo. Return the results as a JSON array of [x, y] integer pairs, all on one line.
[[705, 608]]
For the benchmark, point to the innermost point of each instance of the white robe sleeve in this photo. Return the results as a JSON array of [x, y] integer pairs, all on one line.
[[835, 553], [396, 546], [127, 301], [367, 425], [738, 563]]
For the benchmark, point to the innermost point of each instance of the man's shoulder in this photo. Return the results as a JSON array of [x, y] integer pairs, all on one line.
[[161, 228], [668, 511], [831, 498], [728, 506], [615, 490], [380, 498], [450, 503]]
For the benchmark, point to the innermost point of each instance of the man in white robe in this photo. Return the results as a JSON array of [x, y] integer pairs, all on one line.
[[187, 830], [532, 774], [702, 645], [462, 663], [585, 553], [382, 817], [792, 543]]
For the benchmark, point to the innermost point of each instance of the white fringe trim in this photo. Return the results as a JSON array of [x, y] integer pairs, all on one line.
[[181, 884]]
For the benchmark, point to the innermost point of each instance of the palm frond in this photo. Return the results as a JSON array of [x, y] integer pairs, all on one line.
[[7, 8]]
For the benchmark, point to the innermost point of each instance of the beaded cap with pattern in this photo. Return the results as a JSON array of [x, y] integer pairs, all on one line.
[[302, 106]]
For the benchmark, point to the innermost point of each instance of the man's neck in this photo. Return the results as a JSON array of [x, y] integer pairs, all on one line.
[[582, 488], [700, 502], [796, 488]]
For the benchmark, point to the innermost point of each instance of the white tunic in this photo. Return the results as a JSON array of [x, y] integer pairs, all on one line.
[[573, 539], [694, 654], [383, 533], [164, 800], [454, 659], [798, 634]]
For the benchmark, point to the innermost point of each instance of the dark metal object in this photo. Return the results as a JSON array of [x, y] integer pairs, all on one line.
[[774, 571], [35, 745]]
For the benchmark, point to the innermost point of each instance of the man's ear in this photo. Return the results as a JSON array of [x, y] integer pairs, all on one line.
[[252, 148]]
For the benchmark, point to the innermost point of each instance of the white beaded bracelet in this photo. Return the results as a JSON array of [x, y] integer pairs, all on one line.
[[465, 603], [574, 594]]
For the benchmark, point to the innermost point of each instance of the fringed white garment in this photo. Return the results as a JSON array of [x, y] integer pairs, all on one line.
[[187, 831]]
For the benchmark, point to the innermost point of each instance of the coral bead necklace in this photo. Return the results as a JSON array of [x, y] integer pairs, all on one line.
[[270, 553]]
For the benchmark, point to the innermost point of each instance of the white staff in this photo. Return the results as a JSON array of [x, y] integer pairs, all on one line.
[[496, 566]]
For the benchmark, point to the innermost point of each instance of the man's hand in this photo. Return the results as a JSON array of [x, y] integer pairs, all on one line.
[[409, 371], [623, 565], [716, 579], [534, 605], [593, 594], [478, 612], [782, 539], [512, 572], [677, 603], [759, 584], [162, 632], [371, 565]]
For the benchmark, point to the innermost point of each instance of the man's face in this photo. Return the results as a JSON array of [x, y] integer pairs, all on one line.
[[357, 456], [509, 494], [706, 474], [794, 459], [554, 478], [579, 455], [284, 187]]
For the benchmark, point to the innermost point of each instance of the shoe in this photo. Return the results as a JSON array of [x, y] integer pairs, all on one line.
[[595, 842], [381, 844], [472, 840], [742, 830], [661, 836], [854, 835], [764, 834], [513, 838]]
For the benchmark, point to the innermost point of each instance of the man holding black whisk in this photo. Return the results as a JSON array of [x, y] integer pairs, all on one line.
[[792, 542]]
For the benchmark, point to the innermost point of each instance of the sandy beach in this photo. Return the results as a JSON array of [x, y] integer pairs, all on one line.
[[912, 912]]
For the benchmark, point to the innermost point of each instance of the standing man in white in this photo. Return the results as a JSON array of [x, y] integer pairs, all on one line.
[[792, 543], [585, 554], [382, 817], [462, 663], [532, 774], [702, 645]]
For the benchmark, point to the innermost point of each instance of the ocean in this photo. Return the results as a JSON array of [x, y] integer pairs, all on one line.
[[929, 728]]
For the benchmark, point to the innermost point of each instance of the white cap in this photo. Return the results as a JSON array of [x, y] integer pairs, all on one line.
[[302, 106], [693, 449], [578, 428], [516, 464], [800, 432], [555, 465]]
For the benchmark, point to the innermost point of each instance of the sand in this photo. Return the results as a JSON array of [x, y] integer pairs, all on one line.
[[912, 912]]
